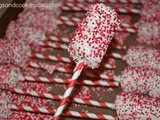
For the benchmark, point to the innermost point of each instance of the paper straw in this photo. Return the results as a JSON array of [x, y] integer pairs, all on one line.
[[59, 97], [105, 1], [102, 75], [50, 57], [64, 81], [84, 7], [118, 56], [129, 30], [54, 45], [59, 58], [63, 103], [68, 113]]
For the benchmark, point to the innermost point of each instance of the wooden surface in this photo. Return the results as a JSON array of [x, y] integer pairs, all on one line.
[[8, 14], [2, 10]]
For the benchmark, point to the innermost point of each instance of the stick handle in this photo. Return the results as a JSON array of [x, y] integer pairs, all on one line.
[[84, 7], [109, 1], [77, 71], [59, 97], [54, 45], [120, 47], [58, 68], [129, 30], [118, 56], [68, 113], [59, 59], [49, 57], [65, 81]]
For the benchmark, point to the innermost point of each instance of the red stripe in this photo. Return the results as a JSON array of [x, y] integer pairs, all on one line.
[[64, 101], [100, 116], [46, 44], [46, 57], [33, 55], [51, 79], [62, 21], [58, 45], [66, 80], [59, 39], [79, 66], [36, 109], [59, 58], [12, 89], [87, 102], [68, 70], [111, 83], [118, 1], [111, 77], [103, 104], [83, 114], [47, 37], [51, 111], [41, 95], [96, 83], [19, 107], [56, 97], [37, 78], [73, 21]]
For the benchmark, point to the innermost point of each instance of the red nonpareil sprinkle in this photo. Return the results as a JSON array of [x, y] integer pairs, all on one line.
[[120, 37], [94, 34], [14, 52], [141, 79], [29, 101], [135, 106], [40, 87], [5, 100], [150, 10], [9, 75], [148, 32], [28, 116], [142, 56], [84, 93]]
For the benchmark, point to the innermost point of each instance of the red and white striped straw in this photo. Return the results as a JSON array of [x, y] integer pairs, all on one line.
[[65, 20], [60, 59], [65, 81], [54, 38], [109, 1], [56, 68], [120, 47], [68, 113], [59, 97], [50, 57], [73, 21], [102, 76], [68, 39], [84, 7], [54, 45], [64, 69], [118, 56], [129, 30], [77, 71]]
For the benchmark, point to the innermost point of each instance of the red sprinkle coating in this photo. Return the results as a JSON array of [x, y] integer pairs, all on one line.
[[94, 34], [141, 79], [131, 106], [142, 56]]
